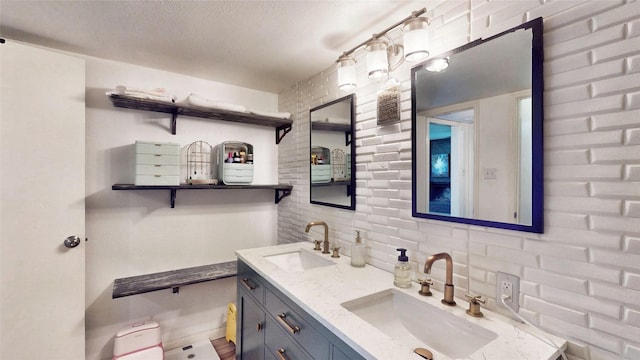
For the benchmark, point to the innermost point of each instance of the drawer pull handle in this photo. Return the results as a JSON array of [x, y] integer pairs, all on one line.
[[157, 175], [248, 285], [293, 329], [281, 354], [259, 326]]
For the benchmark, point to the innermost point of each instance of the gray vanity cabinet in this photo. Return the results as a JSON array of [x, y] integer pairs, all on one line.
[[286, 330]]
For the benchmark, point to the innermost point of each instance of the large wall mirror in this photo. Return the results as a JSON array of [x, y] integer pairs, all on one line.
[[332, 154], [477, 133]]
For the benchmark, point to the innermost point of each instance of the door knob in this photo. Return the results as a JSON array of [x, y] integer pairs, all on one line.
[[71, 241]]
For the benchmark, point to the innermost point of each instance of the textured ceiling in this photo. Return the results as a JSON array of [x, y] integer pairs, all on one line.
[[263, 45]]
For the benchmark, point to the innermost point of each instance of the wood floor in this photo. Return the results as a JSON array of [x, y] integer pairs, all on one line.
[[226, 349]]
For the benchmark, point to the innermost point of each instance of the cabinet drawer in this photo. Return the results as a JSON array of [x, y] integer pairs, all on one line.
[[143, 147], [239, 172], [236, 173], [158, 170], [250, 281], [171, 180], [230, 179], [157, 159], [320, 173], [288, 320], [280, 345]]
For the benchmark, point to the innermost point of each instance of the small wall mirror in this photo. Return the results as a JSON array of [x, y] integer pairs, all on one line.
[[477, 133], [332, 154]]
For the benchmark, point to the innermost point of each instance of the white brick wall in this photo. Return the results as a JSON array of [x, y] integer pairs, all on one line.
[[581, 278]]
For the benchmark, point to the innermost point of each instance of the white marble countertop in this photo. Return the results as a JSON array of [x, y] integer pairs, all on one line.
[[321, 291]]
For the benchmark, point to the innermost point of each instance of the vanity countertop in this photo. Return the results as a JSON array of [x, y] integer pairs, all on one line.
[[321, 291]]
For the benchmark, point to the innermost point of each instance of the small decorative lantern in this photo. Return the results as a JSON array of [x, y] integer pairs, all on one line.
[[200, 163]]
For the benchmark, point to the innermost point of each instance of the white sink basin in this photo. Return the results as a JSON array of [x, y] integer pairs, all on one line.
[[298, 261], [412, 321]]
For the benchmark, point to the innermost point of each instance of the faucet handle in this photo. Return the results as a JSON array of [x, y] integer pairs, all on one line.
[[425, 289], [316, 244], [475, 298], [336, 252], [474, 305]]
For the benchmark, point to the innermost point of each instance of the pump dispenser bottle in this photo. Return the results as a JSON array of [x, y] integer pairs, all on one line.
[[358, 252], [402, 270]]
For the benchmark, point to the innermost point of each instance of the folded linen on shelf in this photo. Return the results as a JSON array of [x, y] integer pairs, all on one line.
[[337, 120], [154, 94], [197, 100], [281, 115]]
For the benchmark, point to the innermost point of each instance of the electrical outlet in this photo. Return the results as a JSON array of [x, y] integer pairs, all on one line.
[[508, 285], [507, 289], [490, 173]]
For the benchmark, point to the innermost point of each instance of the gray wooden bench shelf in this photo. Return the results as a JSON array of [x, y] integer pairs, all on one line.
[[173, 279]]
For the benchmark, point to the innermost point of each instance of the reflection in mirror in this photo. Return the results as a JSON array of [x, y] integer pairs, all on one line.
[[332, 154], [477, 133]]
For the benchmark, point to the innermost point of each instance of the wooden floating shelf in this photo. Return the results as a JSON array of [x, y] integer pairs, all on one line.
[[326, 126], [335, 183], [332, 183], [172, 279], [283, 126], [281, 191]]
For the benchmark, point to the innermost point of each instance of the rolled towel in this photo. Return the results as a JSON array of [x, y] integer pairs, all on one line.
[[197, 100], [337, 120], [157, 92], [141, 96], [281, 115]]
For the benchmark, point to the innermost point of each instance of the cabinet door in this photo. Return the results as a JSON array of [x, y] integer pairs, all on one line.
[[251, 328], [338, 354]]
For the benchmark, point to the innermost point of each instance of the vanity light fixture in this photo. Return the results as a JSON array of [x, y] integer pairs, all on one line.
[[416, 39], [381, 49], [437, 64], [377, 61], [346, 73]]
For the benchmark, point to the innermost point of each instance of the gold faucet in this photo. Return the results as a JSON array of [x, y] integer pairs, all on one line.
[[325, 243], [448, 285]]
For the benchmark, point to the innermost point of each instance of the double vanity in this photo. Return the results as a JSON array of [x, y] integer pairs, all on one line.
[[476, 140], [297, 303]]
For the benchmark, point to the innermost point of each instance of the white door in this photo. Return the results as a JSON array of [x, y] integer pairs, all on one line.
[[42, 149]]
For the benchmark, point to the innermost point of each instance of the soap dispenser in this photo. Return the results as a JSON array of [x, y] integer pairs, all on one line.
[[358, 252], [402, 270]]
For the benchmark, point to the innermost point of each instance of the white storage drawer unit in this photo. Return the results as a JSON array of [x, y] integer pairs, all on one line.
[[235, 163], [237, 173], [320, 173], [320, 164], [157, 163]]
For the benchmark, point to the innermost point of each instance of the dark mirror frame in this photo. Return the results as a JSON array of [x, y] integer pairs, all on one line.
[[537, 224], [350, 138]]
